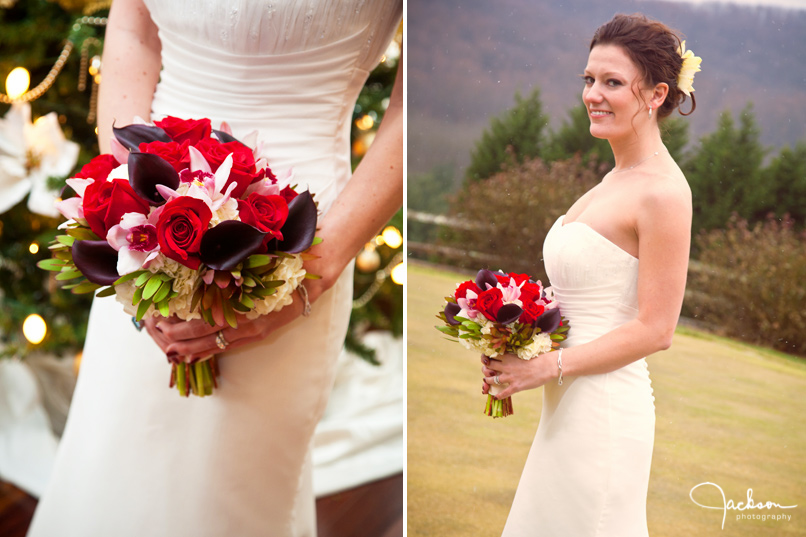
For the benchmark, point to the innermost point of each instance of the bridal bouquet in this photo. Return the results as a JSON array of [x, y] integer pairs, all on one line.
[[181, 220], [499, 313]]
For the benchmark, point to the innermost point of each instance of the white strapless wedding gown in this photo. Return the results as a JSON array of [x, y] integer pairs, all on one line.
[[588, 469], [136, 458]]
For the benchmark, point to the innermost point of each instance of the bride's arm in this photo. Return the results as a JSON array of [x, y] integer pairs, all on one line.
[[370, 199], [131, 67], [664, 235]]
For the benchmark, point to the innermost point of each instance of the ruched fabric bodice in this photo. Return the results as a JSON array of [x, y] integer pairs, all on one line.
[[290, 70], [136, 458], [594, 280], [588, 470]]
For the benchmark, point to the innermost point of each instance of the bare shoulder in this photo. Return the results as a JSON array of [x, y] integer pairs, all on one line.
[[665, 194]]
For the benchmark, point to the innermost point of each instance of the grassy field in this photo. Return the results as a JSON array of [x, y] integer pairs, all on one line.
[[727, 413]]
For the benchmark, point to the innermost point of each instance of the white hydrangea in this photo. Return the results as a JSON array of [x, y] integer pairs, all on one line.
[[540, 344], [228, 211], [290, 270]]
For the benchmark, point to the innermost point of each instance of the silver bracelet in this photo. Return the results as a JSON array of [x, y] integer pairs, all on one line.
[[560, 365], [306, 304]]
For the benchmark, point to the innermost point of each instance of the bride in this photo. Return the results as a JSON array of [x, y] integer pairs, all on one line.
[[617, 262], [137, 459]]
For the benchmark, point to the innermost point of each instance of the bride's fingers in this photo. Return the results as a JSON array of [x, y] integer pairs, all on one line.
[[158, 337], [186, 330]]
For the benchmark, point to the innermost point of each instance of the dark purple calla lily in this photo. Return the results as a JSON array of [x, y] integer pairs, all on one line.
[[228, 244], [226, 137], [486, 276], [508, 313], [299, 229], [451, 310], [97, 261], [131, 136], [549, 321], [146, 171]]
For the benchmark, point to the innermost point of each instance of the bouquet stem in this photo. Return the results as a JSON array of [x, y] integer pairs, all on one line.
[[498, 408], [197, 379]]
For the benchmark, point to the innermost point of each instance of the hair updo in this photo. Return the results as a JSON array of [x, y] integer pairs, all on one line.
[[652, 46]]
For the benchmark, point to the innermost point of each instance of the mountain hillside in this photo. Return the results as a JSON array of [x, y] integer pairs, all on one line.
[[467, 58]]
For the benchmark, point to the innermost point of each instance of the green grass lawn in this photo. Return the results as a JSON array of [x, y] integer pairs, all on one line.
[[727, 413]]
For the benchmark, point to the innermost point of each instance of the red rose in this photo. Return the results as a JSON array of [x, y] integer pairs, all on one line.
[[180, 227], [181, 130], [287, 193], [505, 278], [243, 171], [533, 289], [267, 213], [105, 203], [461, 291], [173, 153], [489, 302], [98, 168], [531, 312]]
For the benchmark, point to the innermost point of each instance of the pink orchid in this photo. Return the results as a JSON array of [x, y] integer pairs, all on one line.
[[204, 184], [468, 305], [511, 293], [135, 239]]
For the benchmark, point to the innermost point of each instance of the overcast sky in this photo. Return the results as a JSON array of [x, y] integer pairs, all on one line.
[[799, 4]]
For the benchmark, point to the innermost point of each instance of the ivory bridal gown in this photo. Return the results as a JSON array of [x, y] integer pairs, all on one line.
[[136, 458], [588, 469]]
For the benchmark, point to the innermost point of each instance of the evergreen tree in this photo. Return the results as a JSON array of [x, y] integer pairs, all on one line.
[[725, 173], [674, 132], [786, 181], [517, 135]]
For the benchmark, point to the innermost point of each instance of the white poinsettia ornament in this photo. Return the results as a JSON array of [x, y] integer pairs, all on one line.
[[30, 152]]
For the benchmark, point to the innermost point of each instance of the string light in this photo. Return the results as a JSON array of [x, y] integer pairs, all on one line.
[[34, 328], [399, 274], [380, 277], [33, 248], [392, 237], [45, 85], [365, 122], [17, 83]]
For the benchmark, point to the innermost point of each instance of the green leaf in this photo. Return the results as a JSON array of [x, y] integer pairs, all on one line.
[[240, 307], [152, 286], [309, 276], [68, 275], [54, 265], [82, 234], [229, 315], [164, 309], [461, 319], [247, 302], [163, 292], [257, 260], [143, 278], [317, 240], [138, 295], [130, 276], [109, 291], [264, 292], [557, 337], [271, 284], [85, 287], [248, 281], [142, 308], [470, 325], [470, 336], [66, 240], [448, 330]]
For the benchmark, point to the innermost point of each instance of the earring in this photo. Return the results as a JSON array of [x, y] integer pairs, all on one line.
[[650, 111]]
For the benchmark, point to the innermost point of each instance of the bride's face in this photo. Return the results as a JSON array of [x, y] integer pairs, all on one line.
[[613, 85]]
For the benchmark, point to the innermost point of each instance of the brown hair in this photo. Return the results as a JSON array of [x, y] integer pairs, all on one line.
[[652, 46]]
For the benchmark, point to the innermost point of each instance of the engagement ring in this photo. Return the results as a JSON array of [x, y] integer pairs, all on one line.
[[220, 341], [497, 380]]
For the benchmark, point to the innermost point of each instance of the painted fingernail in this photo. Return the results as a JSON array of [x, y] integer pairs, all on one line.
[[172, 356]]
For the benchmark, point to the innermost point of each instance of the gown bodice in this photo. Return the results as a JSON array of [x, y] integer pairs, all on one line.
[[291, 70], [594, 280]]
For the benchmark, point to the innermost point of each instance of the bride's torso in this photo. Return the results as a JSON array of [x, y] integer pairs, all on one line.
[[291, 70], [594, 280]]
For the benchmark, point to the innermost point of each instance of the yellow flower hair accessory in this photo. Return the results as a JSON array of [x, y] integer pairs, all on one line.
[[691, 65]]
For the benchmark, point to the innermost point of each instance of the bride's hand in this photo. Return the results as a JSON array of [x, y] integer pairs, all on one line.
[[191, 341], [517, 373]]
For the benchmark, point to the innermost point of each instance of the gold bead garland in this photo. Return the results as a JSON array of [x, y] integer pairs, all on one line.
[[47, 83]]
